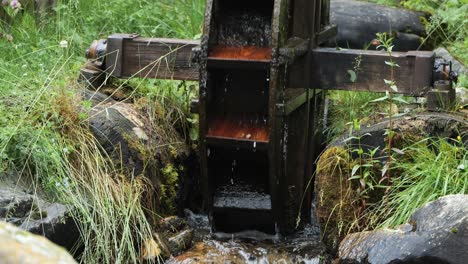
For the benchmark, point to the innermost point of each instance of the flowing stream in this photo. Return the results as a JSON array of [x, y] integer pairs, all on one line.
[[250, 246]]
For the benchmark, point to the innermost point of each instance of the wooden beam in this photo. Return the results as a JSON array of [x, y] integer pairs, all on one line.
[[330, 70], [131, 56]]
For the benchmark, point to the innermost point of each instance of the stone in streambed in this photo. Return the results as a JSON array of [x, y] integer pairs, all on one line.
[[180, 242], [36, 215], [436, 233], [172, 224], [175, 234]]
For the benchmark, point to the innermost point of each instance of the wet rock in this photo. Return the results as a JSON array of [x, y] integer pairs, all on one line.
[[96, 97], [19, 246], [172, 224], [138, 140], [175, 235], [436, 233], [180, 242], [359, 21], [457, 66], [462, 95], [120, 129], [197, 221], [36, 215]]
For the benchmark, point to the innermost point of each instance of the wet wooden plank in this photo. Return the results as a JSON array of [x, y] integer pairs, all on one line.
[[151, 58], [330, 70], [171, 59]]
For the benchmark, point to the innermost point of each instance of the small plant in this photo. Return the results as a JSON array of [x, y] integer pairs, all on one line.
[[384, 42], [362, 172]]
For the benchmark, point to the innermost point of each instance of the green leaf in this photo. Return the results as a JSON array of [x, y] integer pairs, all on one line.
[[82, 116], [355, 168], [394, 87], [87, 104], [352, 76], [193, 133], [399, 99], [381, 186], [372, 152], [349, 139], [379, 99], [192, 120], [388, 82], [385, 169], [399, 151]]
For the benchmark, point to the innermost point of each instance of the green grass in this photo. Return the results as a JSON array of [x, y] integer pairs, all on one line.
[[348, 106], [430, 169], [45, 138]]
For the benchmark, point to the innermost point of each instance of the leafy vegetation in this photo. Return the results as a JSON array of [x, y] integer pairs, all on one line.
[[421, 172], [428, 170], [44, 136]]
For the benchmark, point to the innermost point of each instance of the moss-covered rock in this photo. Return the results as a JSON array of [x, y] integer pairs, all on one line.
[[334, 195], [342, 195], [141, 144]]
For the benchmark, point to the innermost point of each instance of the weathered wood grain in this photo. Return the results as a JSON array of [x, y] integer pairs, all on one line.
[[151, 58], [330, 70], [171, 59]]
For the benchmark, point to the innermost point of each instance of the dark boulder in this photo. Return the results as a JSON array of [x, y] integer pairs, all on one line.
[[140, 141], [120, 130], [436, 233], [180, 242], [358, 22], [176, 234], [35, 214]]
